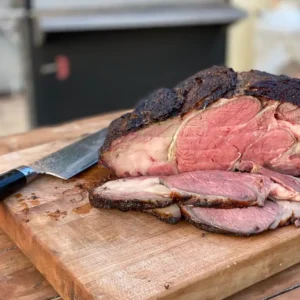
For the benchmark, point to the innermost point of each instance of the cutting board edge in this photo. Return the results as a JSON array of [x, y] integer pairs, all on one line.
[[192, 289], [66, 290], [201, 286]]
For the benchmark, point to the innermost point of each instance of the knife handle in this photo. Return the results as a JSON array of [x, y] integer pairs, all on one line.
[[13, 180]]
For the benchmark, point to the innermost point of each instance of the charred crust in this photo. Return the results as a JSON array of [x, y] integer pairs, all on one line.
[[158, 106], [218, 230], [199, 91], [275, 87], [125, 205], [206, 86], [169, 220], [218, 203], [116, 128]]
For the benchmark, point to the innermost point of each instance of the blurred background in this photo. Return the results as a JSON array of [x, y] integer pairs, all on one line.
[[65, 60]]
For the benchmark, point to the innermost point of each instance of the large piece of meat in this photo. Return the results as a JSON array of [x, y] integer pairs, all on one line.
[[220, 149], [214, 120]]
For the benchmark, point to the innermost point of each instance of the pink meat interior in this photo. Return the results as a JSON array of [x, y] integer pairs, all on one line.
[[218, 138]]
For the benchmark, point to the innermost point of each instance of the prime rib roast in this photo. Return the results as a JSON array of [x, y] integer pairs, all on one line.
[[221, 149]]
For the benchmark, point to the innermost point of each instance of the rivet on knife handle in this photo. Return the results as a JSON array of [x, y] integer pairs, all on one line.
[[13, 180]]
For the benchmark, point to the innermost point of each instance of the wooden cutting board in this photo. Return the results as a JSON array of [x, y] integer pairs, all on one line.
[[86, 253]]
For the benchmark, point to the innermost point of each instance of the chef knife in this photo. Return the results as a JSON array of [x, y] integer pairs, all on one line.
[[64, 164]]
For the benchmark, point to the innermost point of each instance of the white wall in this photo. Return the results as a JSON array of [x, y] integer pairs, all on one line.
[[240, 35], [269, 39], [10, 59]]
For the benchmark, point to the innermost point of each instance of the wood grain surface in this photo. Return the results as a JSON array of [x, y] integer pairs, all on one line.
[[65, 131], [87, 253], [35, 284], [280, 285], [19, 279]]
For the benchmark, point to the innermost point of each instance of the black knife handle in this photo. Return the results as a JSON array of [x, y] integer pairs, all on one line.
[[13, 180]]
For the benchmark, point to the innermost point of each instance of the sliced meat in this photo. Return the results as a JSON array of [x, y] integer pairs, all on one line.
[[213, 120], [237, 221], [290, 212], [219, 188], [222, 189], [219, 201], [170, 214], [142, 193], [138, 193], [285, 187]]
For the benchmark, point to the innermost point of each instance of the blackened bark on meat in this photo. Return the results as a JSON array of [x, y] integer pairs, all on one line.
[[169, 220], [199, 91], [218, 230], [125, 205], [261, 84], [159, 106], [206, 86], [218, 203]]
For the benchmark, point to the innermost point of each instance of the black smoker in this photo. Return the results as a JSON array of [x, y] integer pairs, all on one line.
[[99, 60]]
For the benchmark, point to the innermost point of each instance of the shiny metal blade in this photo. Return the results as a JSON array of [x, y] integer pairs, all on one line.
[[72, 159]]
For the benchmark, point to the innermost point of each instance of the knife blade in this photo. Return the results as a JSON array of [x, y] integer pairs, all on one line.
[[64, 164]]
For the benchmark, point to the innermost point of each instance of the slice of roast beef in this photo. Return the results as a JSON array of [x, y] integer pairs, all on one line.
[[145, 194], [219, 201], [213, 120], [138, 193], [222, 189], [170, 214], [290, 213], [285, 187], [237, 221]]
